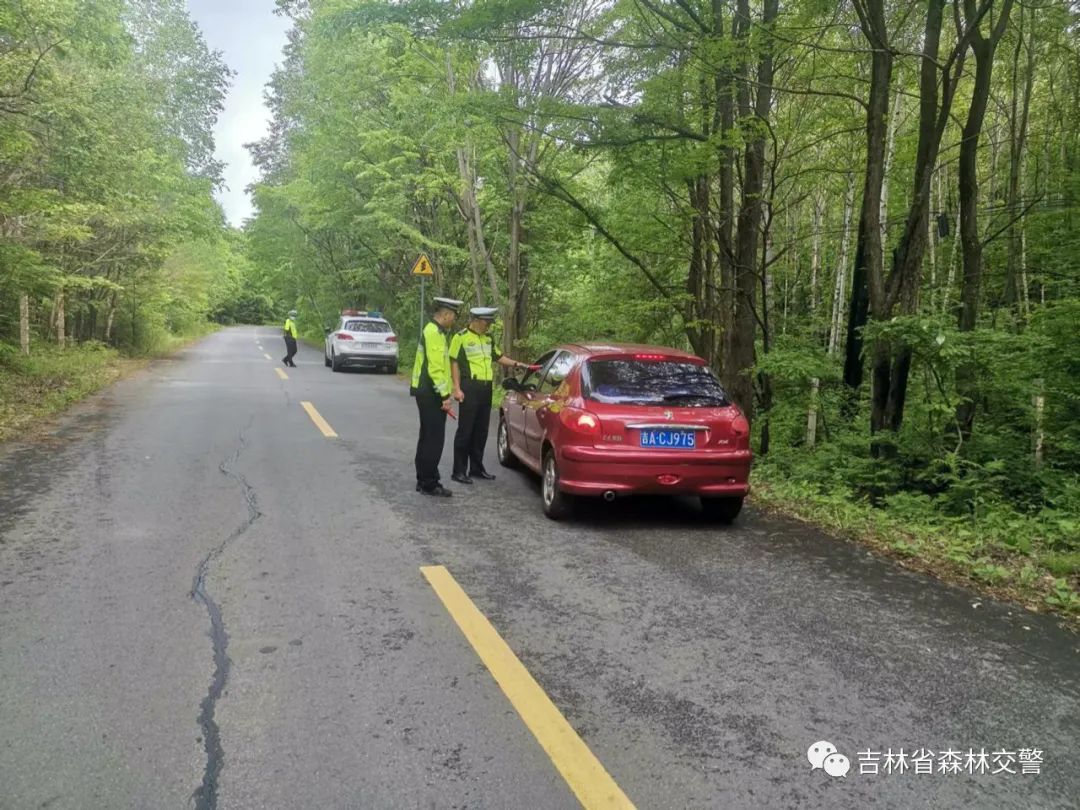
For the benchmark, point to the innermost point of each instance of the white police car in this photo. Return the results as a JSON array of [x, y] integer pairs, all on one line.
[[362, 339]]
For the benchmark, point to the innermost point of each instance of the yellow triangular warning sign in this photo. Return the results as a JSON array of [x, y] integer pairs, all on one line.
[[422, 267]]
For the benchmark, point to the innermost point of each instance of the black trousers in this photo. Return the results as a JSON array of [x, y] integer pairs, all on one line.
[[474, 418], [429, 446], [290, 350]]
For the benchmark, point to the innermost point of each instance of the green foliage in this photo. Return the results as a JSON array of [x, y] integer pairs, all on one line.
[[600, 198], [106, 170]]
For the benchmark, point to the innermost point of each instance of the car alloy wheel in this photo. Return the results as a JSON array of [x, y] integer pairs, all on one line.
[[557, 505], [502, 446]]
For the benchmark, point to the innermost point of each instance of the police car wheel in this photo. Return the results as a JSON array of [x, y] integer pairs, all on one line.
[[502, 447], [722, 510], [557, 505], [326, 360], [334, 364]]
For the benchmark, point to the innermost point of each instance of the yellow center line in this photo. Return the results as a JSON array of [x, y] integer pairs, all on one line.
[[281, 373], [268, 357], [582, 771], [320, 423]]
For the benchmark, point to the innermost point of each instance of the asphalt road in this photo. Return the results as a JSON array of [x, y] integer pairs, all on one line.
[[316, 667]]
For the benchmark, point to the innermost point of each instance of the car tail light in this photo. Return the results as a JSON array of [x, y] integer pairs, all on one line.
[[739, 425], [343, 336], [392, 339], [580, 421], [650, 357]]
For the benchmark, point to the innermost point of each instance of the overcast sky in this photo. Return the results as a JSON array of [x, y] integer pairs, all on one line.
[[251, 36]]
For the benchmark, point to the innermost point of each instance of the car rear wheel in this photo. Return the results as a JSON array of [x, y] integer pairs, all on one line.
[[334, 364], [391, 369], [326, 360], [722, 510], [557, 505], [502, 446]]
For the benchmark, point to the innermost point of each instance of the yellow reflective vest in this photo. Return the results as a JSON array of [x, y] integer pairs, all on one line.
[[290, 328], [475, 355], [431, 370]]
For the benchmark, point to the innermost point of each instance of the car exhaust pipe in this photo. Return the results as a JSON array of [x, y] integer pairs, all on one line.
[[609, 496]]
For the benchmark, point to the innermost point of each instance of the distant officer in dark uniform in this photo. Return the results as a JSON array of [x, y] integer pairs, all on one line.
[[290, 339], [431, 387], [472, 362]]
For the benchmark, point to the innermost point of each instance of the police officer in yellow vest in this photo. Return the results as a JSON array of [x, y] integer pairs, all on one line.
[[431, 385], [472, 361], [290, 339]]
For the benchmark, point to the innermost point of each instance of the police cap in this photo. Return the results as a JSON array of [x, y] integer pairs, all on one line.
[[451, 304], [484, 313]]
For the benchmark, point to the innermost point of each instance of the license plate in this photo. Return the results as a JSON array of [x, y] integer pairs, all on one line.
[[676, 439], [371, 345]]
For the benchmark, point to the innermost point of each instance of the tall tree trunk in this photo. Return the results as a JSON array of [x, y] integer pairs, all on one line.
[[750, 212], [515, 322], [724, 121], [701, 313], [24, 324], [890, 151], [892, 365], [839, 288], [109, 319], [61, 319], [1018, 125], [868, 281], [815, 252], [972, 248], [815, 263]]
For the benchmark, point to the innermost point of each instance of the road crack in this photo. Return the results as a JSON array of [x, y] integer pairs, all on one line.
[[205, 795]]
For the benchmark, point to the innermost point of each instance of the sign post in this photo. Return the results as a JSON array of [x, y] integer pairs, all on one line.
[[423, 269]]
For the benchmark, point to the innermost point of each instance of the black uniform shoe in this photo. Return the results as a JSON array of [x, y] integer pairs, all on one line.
[[438, 490], [483, 474], [461, 479]]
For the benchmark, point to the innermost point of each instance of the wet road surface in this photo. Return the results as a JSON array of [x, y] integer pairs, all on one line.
[[207, 602]]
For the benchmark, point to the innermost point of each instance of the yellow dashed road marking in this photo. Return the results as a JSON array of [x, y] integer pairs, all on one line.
[[320, 423], [582, 771]]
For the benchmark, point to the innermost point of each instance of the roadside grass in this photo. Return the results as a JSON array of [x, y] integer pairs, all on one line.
[[51, 379], [1004, 554]]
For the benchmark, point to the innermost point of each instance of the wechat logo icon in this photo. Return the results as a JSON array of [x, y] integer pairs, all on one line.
[[823, 754]]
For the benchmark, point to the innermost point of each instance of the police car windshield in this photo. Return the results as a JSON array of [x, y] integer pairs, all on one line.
[[650, 382], [367, 326]]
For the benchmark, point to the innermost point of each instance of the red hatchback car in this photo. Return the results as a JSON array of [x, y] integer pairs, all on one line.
[[609, 420]]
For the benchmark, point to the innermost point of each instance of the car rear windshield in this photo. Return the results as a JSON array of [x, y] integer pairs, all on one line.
[[367, 326], [653, 382]]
